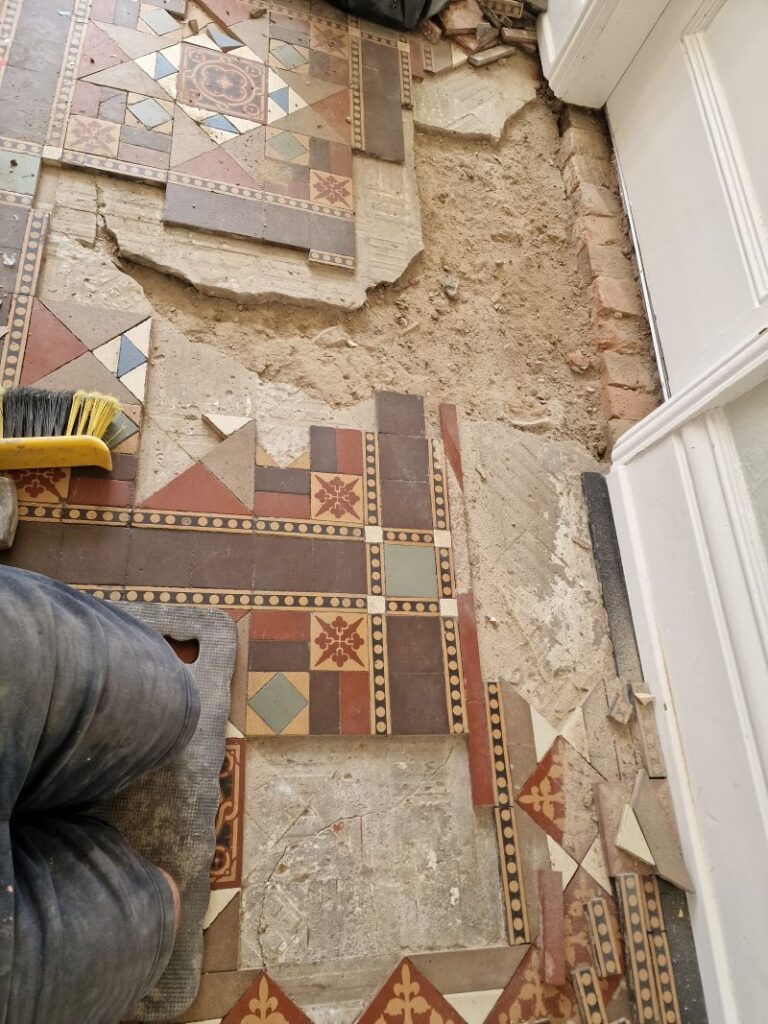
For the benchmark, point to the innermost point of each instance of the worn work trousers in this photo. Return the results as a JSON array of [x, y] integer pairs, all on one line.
[[89, 699]]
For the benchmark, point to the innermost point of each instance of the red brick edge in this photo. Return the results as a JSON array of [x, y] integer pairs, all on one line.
[[621, 342]]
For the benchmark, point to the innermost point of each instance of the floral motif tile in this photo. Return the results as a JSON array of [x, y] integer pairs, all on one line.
[[330, 39], [41, 485], [339, 641], [227, 865], [543, 797], [90, 135], [331, 190], [337, 498], [408, 997], [223, 83]]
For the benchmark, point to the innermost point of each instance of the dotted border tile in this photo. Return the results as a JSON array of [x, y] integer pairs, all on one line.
[[333, 259], [445, 574], [437, 486], [506, 825], [149, 520], [411, 606], [406, 76], [602, 940], [21, 305], [421, 537], [454, 682], [381, 724], [375, 568], [641, 983], [14, 198], [120, 168], [589, 998], [65, 86], [222, 188], [9, 17], [305, 528], [371, 481], [304, 599], [306, 204], [19, 146], [355, 87]]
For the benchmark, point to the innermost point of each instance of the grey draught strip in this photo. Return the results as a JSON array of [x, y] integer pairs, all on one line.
[[169, 815]]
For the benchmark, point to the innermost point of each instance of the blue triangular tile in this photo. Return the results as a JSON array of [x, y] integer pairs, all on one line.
[[222, 40], [163, 67], [220, 122], [130, 357], [280, 97]]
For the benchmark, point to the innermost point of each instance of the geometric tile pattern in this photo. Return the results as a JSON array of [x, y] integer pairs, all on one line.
[[349, 631], [408, 997], [227, 866], [265, 1001]]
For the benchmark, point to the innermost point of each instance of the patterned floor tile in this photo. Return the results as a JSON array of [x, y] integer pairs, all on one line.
[[222, 83], [339, 641], [41, 485], [331, 190], [408, 997], [336, 498], [278, 704], [227, 866], [266, 1003], [288, 146], [90, 135]]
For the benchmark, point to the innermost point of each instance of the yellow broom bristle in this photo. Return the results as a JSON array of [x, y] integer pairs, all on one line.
[[91, 413]]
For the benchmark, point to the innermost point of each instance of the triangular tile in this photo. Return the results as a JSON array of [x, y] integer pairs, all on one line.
[[88, 373], [217, 165], [233, 462], [660, 831], [228, 12], [163, 67], [406, 979], [196, 490], [630, 838], [223, 40], [225, 425], [109, 355], [575, 731], [311, 90], [335, 111], [308, 121], [50, 344], [134, 44], [130, 78], [140, 335], [255, 34], [474, 1007], [594, 864], [544, 735], [94, 325], [129, 358], [263, 1000], [189, 140], [219, 899], [136, 381], [98, 52], [561, 861]]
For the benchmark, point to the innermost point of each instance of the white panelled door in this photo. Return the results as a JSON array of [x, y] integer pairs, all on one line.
[[690, 124]]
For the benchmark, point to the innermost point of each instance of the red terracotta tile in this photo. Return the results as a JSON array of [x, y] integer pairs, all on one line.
[[85, 490], [264, 1001], [99, 52], [479, 751], [449, 426], [280, 625], [470, 651], [354, 701], [273, 505], [196, 490], [49, 345], [552, 927], [408, 996], [349, 451], [324, 703]]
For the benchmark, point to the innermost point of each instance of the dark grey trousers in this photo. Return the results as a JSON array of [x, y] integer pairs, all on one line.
[[89, 699]]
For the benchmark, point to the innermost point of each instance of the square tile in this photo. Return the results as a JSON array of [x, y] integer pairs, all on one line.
[[442, 538], [151, 113], [338, 567], [414, 644], [278, 704], [282, 564], [449, 607], [407, 504], [324, 717], [286, 225], [41, 486], [410, 571], [291, 147], [339, 640], [376, 604], [400, 414], [374, 534], [418, 703], [223, 83], [19, 172], [403, 457], [90, 135], [330, 190], [337, 498]]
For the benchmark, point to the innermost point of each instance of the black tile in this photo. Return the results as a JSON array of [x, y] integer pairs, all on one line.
[[36, 548], [94, 554], [407, 504], [403, 458], [414, 644], [278, 656], [159, 558], [286, 225], [339, 567], [400, 414]]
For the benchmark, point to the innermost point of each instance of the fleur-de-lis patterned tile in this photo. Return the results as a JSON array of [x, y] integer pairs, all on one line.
[[407, 997], [264, 1002]]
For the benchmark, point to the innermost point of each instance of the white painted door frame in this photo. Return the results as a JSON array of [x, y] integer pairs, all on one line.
[[698, 585]]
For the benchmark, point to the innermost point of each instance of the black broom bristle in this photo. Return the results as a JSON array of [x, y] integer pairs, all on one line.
[[32, 412]]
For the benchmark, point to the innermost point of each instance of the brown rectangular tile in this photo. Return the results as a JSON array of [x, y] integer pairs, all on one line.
[[552, 926], [37, 547], [414, 644], [278, 656], [221, 941], [282, 564], [417, 704], [399, 414], [331, 157], [349, 451], [146, 139], [222, 560], [143, 157], [322, 449], [339, 567], [272, 505], [286, 225], [354, 703], [324, 703], [282, 481], [403, 458], [449, 428], [406, 503], [90, 491], [212, 211], [382, 112], [159, 558], [94, 554], [279, 625], [124, 467], [332, 234]]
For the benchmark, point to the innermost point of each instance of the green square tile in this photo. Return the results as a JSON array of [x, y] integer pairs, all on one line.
[[19, 172], [278, 702], [410, 571]]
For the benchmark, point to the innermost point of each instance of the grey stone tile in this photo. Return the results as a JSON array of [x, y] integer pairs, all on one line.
[[210, 211]]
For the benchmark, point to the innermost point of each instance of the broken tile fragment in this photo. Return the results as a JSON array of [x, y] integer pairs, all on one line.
[[630, 838], [660, 833]]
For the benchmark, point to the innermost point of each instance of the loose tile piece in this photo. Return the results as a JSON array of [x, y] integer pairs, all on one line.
[[233, 462], [603, 940], [551, 917], [588, 997], [660, 833], [630, 838]]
